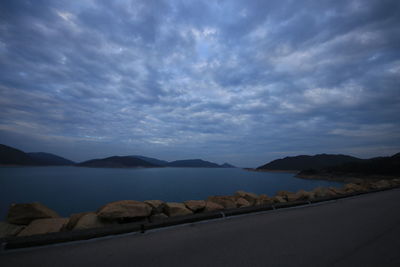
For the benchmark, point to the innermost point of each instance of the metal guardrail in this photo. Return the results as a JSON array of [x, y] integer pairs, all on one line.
[[140, 227]]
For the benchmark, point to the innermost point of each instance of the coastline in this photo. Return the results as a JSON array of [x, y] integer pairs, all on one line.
[[345, 178], [265, 170]]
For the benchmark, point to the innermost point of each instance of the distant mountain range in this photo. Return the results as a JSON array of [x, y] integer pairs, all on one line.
[[304, 162], [43, 158], [117, 162], [13, 156], [326, 164], [374, 166]]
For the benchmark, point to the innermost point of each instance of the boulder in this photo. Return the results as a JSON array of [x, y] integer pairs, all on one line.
[[352, 187], [228, 202], [250, 197], [44, 226], [264, 200], [241, 202], [8, 229], [396, 181], [25, 213], [305, 195], [283, 193], [90, 220], [212, 206], [337, 191], [176, 209], [300, 195], [73, 219], [156, 205], [381, 184], [124, 209], [290, 196], [321, 192], [278, 199], [158, 217], [195, 205]]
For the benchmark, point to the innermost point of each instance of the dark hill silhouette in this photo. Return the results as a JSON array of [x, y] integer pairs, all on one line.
[[13, 156], [117, 162], [155, 161], [193, 163], [227, 165], [374, 166], [43, 158], [305, 162]]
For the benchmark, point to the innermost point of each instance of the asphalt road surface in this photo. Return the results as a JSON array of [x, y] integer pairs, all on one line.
[[358, 231]]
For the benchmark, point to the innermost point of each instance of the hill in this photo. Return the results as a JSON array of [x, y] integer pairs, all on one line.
[[155, 161], [13, 156], [304, 162], [117, 162], [193, 163], [374, 166], [42, 158], [227, 165]]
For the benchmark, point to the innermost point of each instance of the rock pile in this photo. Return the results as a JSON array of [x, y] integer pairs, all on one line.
[[34, 218]]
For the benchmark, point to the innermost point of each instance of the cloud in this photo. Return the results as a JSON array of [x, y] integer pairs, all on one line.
[[224, 80]]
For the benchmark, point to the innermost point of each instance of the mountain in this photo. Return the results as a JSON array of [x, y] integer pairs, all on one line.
[[374, 166], [154, 161], [193, 163], [13, 156], [305, 162], [117, 162], [42, 158], [227, 165]]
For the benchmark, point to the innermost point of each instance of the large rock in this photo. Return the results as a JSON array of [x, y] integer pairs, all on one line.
[[25, 213], [90, 220], [195, 205], [278, 199], [300, 195], [156, 205], [250, 197], [396, 181], [381, 184], [73, 219], [352, 188], [283, 193], [124, 209], [337, 191], [212, 206], [242, 202], [228, 202], [290, 196], [158, 217], [264, 200], [176, 209], [321, 192], [44, 226], [7, 229]]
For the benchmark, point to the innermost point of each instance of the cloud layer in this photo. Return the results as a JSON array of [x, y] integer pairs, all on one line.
[[237, 81]]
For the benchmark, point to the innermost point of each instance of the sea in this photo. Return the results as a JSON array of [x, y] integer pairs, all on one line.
[[70, 190]]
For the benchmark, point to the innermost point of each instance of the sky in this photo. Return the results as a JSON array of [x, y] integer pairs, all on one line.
[[243, 82]]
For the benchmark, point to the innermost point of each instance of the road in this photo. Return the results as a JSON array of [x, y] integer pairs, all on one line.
[[358, 231]]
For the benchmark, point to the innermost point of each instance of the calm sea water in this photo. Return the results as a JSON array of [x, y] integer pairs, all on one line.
[[74, 189]]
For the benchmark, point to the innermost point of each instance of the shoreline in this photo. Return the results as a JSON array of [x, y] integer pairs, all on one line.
[[34, 220], [265, 170]]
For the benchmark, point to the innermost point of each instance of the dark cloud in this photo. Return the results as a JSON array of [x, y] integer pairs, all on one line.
[[238, 81]]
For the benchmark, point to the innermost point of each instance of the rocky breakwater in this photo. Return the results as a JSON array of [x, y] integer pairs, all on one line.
[[34, 218]]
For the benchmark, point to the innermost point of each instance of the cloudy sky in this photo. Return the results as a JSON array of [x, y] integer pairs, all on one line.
[[237, 81]]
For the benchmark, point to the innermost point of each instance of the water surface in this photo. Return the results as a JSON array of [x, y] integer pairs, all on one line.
[[74, 189]]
